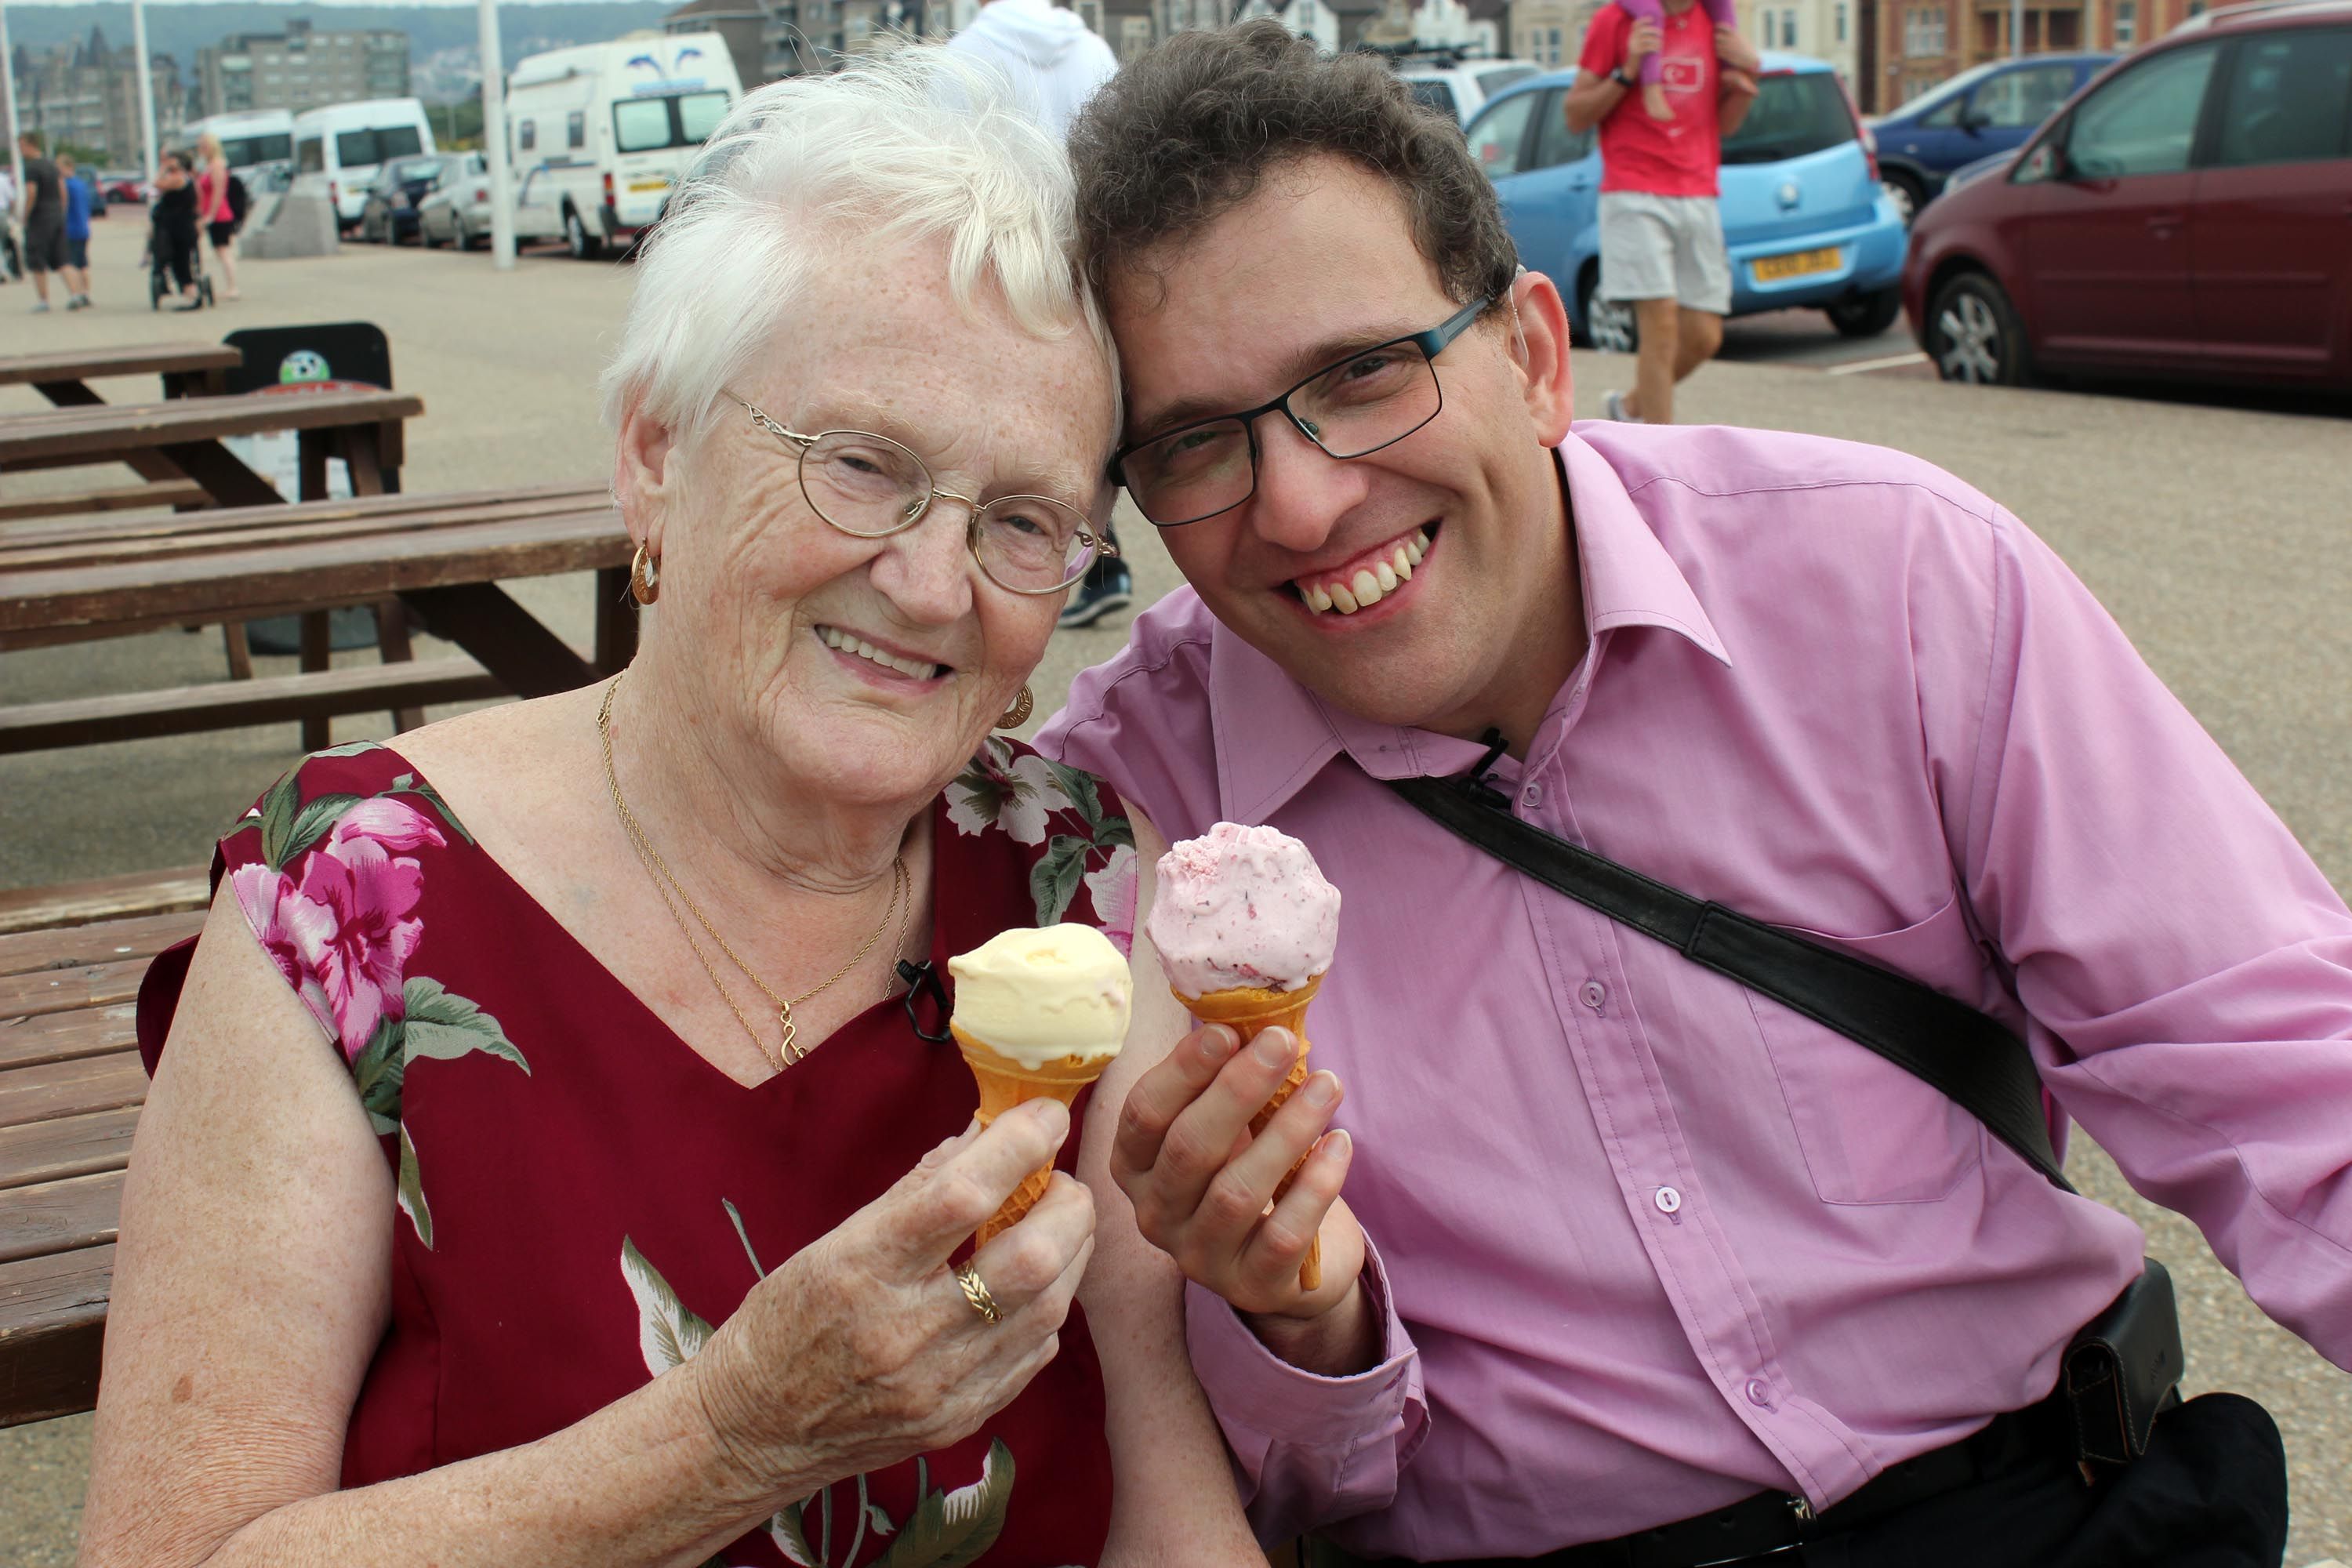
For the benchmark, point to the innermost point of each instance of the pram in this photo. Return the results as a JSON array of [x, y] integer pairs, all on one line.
[[159, 286]]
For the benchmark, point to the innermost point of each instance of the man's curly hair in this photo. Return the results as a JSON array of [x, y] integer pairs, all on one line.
[[1185, 133]]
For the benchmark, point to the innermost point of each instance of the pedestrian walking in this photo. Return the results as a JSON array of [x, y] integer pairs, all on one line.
[[78, 192], [1055, 63], [1662, 246], [42, 216], [218, 213]]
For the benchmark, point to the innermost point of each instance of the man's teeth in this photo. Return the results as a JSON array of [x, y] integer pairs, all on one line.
[[1369, 584], [833, 637]]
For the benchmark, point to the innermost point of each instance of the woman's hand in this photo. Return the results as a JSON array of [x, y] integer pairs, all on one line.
[[1201, 1183], [863, 1351]]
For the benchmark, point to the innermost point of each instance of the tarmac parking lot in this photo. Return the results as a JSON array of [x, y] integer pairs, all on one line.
[[2212, 527]]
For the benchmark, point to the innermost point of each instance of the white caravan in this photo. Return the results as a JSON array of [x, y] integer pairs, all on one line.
[[597, 135], [248, 140], [338, 149]]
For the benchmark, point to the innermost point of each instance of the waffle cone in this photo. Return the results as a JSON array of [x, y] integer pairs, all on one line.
[[1005, 1083], [1249, 1011]]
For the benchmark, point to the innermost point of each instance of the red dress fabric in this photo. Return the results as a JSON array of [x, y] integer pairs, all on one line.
[[582, 1194]]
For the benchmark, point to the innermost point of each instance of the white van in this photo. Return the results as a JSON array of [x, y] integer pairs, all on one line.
[[339, 148], [248, 140], [597, 135]]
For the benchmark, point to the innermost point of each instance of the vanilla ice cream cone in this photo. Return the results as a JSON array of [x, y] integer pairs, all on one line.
[[1005, 1083]]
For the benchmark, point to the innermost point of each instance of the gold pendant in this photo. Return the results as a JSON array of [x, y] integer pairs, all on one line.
[[792, 1030]]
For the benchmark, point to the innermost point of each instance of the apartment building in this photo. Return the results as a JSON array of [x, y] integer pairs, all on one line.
[[300, 69], [1923, 42], [85, 94]]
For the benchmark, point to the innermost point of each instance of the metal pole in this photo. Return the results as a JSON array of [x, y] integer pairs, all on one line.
[[494, 141], [146, 87], [2016, 28], [8, 81]]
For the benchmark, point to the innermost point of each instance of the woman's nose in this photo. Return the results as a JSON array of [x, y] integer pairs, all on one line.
[[1302, 491], [926, 570]]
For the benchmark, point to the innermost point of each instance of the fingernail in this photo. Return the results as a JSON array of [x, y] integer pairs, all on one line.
[[1275, 1048], [1321, 1090], [1054, 1115], [1341, 1144], [1217, 1042]]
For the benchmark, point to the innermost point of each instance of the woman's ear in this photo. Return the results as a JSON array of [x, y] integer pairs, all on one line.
[[644, 481], [1540, 344]]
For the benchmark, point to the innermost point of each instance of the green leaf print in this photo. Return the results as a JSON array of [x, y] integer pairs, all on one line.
[[378, 1070], [668, 1333], [1053, 879], [951, 1530], [1112, 832], [790, 1539], [278, 809], [411, 1192], [350, 749], [314, 822], [879, 1521], [406, 784], [1079, 785], [444, 1026]]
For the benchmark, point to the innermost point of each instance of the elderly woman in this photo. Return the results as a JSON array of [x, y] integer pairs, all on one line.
[[618, 1041]]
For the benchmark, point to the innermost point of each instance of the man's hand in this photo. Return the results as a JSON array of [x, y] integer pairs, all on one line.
[[1642, 42], [1733, 52], [1201, 1186]]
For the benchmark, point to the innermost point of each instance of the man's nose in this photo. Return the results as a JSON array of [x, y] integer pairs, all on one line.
[[1302, 491], [928, 570]]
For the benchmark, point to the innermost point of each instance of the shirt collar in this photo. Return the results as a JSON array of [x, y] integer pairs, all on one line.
[[1273, 734]]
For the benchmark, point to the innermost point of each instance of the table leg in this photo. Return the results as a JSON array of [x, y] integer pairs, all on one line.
[[391, 639], [480, 618], [240, 653], [228, 480], [316, 655], [616, 620], [311, 447]]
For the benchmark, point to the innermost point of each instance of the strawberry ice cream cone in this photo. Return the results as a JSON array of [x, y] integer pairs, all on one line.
[[1249, 1011]]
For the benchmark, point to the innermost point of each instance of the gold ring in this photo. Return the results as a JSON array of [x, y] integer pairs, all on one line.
[[976, 1292]]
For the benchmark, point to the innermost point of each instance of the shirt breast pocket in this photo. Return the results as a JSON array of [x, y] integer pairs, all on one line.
[[1870, 1132]]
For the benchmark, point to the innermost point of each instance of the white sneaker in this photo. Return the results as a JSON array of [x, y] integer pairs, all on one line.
[[1613, 407]]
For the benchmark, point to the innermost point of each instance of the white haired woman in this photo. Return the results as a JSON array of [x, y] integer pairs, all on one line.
[[618, 1039]]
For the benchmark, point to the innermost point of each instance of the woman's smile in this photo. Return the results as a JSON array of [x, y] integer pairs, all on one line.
[[883, 663]]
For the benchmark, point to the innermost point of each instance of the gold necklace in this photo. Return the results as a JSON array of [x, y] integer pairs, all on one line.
[[901, 899]]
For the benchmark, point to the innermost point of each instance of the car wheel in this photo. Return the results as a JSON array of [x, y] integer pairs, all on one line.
[[1865, 315], [1609, 324], [465, 235], [1973, 334], [585, 247], [1907, 194]]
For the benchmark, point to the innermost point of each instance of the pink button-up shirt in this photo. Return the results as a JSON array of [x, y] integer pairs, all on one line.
[[1649, 1242]]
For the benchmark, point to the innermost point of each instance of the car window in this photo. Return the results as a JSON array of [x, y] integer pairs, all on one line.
[[1555, 142], [2143, 122], [698, 115], [2021, 100], [1497, 136], [1436, 95], [1494, 81], [1792, 115], [1945, 115], [2290, 98]]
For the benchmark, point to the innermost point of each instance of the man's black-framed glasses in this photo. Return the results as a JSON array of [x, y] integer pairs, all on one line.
[[1371, 398], [872, 487]]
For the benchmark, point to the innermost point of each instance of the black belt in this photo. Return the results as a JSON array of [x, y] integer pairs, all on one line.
[[1774, 1521]]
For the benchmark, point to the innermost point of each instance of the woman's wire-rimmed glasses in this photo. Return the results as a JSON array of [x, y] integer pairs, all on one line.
[[871, 487], [1351, 407]]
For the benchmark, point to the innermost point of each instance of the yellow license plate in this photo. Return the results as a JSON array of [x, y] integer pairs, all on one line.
[[1797, 264], [649, 184]]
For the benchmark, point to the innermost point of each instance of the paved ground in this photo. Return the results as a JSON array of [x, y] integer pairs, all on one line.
[[2214, 533]]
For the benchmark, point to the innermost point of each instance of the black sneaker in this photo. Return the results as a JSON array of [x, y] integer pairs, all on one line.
[[1107, 589]]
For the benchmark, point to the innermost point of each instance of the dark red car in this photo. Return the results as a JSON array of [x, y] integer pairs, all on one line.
[[2189, 215]]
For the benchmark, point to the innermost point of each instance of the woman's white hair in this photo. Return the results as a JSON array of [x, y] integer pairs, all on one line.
[[918, 143]]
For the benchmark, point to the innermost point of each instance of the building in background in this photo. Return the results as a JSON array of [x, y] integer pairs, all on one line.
[[300, 69], [85, 94], [742, 23], [1919, 43], [1825, 30]]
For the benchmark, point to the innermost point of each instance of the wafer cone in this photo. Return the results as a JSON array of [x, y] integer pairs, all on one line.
[[1005, 1083], [1249, 1011]]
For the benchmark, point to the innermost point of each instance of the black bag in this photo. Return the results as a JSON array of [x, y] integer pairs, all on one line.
[[2124, 1367], [240, 202]]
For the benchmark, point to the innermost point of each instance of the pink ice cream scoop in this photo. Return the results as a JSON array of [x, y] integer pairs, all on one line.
[[1243, 906]]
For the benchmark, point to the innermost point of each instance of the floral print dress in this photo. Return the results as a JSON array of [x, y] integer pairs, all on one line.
[[582, 1195]]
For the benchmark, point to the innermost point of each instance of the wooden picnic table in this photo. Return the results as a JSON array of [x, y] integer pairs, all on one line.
[[70, 1090], [441, 556], [63, 375]]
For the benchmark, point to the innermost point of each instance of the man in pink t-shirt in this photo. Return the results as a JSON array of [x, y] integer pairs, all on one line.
[[1660, 236]]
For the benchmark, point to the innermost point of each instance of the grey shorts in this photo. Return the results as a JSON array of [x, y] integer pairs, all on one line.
[[44, 245], [1664, 247]]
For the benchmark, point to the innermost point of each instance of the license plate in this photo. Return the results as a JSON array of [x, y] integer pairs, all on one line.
[[1796, 263], [649, 184]]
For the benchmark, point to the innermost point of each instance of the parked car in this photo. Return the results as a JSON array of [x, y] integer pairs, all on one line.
[[1461, 89], [120, 188], [339, 148], [388, 214], [1985, 110], [2184, 217], [459, 210], [1804, 218]]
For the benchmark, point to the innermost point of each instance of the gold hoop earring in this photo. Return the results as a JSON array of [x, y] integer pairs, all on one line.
[[645, 576], [1013, 718]]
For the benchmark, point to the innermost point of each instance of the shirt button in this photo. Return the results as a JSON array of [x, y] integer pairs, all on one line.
[[1759, 1394], [1531, 797], [1671, 1202], [1594, 995]]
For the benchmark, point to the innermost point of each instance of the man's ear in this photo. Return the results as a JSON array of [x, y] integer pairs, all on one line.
[[644, 479], [1539, 348]]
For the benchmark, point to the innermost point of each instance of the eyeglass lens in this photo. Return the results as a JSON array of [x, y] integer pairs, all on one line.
[[1356, 407], [870, 486]]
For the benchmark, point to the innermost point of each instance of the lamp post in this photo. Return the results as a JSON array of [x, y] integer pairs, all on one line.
[[8, 88], [146, 88], [494, 141]]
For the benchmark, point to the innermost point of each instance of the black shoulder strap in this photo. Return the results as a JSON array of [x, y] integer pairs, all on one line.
[[1970, 1057]]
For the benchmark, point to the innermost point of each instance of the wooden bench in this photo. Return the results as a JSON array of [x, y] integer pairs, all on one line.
[[70, 1090], [63, 376]]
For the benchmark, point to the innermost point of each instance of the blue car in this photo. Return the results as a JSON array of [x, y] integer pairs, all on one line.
[[1982, 112], [1804, 217]]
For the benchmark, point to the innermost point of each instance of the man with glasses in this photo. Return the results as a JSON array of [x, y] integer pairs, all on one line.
[[1637, 1264]]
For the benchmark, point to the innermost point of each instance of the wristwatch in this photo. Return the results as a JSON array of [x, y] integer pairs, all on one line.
[[1617, 74]]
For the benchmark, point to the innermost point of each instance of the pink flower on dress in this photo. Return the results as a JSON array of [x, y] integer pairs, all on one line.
[[376, 828], [1113, 890], [356, 936], [276, 911]]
